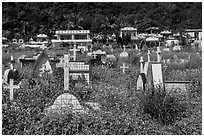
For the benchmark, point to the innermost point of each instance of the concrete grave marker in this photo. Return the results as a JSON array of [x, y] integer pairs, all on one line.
[[124, 53]]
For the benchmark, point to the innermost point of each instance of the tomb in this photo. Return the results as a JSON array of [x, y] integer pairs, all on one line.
[[150, 73], [151, 77], [74, 71]]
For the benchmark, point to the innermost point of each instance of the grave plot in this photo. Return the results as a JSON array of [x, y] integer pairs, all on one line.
[[151, 76]]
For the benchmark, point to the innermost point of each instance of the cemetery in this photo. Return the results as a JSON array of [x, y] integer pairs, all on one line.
[[142, 83]]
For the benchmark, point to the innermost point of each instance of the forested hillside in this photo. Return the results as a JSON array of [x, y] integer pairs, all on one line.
[[29, 19]]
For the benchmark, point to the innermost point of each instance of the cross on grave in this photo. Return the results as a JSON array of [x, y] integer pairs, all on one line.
[[11, 85], [124, 67], [65, 64], [94, 55], [74, 51]]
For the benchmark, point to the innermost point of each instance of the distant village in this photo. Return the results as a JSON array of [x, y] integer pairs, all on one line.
[[153, 37]]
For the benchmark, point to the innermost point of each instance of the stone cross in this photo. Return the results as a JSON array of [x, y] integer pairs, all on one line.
[[158, 54], [94, 55], [148, 56], [165, 66], [65, 65], [11, 85], [141, 64], [74, 50], [123, 67]]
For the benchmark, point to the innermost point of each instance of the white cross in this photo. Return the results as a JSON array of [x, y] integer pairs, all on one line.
[[165, 66], [74, 50], [11, 85], [65, 64], [123, 67], [148, 56], [94, 55], [158, 54]]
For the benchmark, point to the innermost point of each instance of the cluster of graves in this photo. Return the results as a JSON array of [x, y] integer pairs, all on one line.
[[150, 75]]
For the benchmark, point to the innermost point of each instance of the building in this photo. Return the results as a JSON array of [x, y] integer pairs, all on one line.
[[129, 31], [196, 34], [80, 37]]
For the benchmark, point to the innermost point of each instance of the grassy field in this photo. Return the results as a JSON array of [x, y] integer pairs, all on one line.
[[125, 111]]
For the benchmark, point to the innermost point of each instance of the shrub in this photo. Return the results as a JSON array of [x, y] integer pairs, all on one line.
[[161, 106]]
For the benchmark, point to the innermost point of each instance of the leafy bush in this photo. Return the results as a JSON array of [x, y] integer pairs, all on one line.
[[161, 106]]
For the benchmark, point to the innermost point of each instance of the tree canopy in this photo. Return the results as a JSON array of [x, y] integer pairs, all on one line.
[[27, 19]]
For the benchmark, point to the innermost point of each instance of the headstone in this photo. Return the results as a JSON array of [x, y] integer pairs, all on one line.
[[124, 54], [124, 67], [80, 71], [157, 74], [141, 82]]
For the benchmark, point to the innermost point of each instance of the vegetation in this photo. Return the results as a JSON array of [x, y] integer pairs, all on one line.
[[124, 110], [27, 19]]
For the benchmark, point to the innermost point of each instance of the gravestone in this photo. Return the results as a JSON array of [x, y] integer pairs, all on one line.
[[141, 80], [124, 54], [75, 71]]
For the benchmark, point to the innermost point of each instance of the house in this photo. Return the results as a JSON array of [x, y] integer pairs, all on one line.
[[80, 37], [132, 32]]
